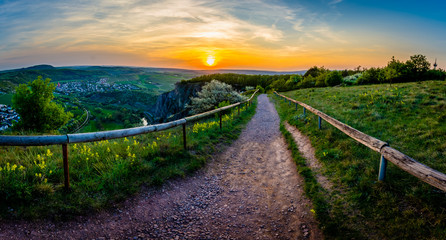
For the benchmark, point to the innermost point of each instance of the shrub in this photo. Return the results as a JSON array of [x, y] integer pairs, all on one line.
[[211, 95], [333, 78]]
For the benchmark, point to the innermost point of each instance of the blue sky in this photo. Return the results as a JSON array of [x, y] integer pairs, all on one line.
[[272, 35]]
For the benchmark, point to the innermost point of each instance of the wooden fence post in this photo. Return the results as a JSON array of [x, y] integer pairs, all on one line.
[[66, 171], [184, 136], [220, 120], [382, 169]]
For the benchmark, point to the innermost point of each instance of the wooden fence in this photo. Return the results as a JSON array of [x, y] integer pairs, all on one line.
[[64, 140], [408, 164]]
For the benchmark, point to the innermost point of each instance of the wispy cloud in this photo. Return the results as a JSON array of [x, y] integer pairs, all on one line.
[[157, 29]]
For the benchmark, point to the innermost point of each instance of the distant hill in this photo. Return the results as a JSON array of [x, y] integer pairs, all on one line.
[[9, 79]]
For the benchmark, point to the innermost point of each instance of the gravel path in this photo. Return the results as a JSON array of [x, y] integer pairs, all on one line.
[[251, 190]]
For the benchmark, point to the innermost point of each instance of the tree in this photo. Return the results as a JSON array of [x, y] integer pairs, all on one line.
[[33, 102], [418, 65], [333, 78], [212, 94]]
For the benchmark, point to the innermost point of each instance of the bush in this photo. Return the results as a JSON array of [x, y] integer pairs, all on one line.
[[211, 95], [333, 78], [261, 90]]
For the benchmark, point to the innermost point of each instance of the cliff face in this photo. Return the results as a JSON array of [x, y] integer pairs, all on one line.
[[172, 105]]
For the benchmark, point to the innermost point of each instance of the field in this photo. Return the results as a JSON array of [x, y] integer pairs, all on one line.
[[411, 117]]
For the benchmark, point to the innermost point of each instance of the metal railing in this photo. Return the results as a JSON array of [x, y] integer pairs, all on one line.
[[66, 139], [406, 163]]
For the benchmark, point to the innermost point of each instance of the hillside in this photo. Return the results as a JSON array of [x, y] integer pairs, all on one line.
[[411, 117]]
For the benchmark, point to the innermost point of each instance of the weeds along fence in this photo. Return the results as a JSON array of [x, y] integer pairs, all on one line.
[[406, 163], [66, 139]]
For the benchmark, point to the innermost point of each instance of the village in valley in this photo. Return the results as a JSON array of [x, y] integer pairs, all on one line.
[[102, 85]]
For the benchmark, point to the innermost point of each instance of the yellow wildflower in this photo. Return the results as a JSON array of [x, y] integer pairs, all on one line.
[[125, 139], [49, 153], [108, 149], [13, 167]]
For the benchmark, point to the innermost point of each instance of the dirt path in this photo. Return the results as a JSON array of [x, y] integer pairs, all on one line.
[[251, 190]]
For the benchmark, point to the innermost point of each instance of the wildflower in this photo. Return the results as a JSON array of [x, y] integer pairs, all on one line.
[[1, 169], [49, 153], [135, 142], [125, 139], [117, 156], [45, 180], [51, 171], [312, 210], [133, 156], [325, 154], [21, 168], [108, 149], [13, 167], [75, 146], [130, 154]]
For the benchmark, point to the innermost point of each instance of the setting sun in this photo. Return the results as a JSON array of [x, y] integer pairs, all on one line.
[[210, 61]]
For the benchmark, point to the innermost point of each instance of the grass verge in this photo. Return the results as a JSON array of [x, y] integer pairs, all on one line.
[[106, 172], [410, 117]]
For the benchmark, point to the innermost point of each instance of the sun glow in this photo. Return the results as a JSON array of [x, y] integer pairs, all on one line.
[[210, 60]]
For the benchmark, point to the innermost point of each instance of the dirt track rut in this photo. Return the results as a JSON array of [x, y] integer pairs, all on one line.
[[251, 190]]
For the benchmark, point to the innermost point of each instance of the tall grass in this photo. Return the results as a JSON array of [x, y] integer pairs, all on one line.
[[102, 173], [411, 117]]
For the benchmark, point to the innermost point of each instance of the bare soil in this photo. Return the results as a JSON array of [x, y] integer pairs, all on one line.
[[304, 144], [250, 190]]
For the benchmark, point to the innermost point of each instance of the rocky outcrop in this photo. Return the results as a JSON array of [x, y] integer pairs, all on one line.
[[172, 105]]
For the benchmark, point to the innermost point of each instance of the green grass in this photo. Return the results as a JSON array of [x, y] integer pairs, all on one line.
[[411, 117], [106, 172], [6, 99]]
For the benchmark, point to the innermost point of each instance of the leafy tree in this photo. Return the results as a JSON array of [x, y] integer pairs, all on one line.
[[418, 64], [315, 71], [372, 75], [33, 101], [212, 94], [333, 78]]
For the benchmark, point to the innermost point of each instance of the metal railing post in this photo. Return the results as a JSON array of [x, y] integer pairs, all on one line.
[[66, 171], [296, 105], [320, 120], [382, 169], [184, 136], [304, 111]]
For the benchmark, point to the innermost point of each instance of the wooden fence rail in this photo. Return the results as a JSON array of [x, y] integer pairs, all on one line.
[[66, 139], [406, 163]]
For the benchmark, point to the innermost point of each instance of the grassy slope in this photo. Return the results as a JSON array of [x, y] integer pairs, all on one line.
[[412, 118], [105, 172]]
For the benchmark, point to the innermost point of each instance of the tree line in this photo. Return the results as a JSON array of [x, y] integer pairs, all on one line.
[[417, 68]]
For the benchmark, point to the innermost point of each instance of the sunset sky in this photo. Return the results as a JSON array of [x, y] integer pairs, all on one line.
[[231, 34]]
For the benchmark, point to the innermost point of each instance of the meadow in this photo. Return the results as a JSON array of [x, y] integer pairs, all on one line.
[[411, 117], [106, 172]]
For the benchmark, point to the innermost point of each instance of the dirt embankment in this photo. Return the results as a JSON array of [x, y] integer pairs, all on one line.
[[251, 190]]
